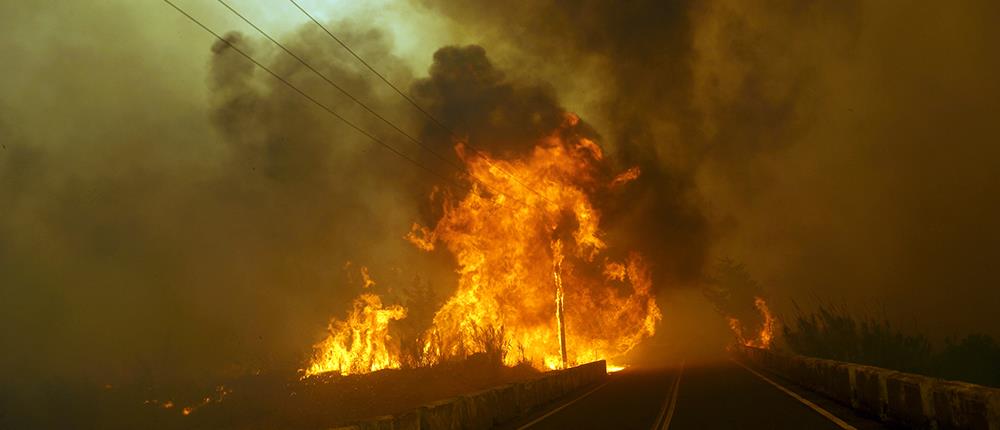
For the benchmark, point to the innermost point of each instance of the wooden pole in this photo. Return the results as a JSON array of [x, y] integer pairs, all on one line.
[[560, 312]]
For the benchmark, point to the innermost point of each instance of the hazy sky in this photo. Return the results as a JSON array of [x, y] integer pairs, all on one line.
[[162, 203]]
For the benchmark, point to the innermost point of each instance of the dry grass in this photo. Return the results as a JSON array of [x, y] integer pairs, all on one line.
[[270, 401]]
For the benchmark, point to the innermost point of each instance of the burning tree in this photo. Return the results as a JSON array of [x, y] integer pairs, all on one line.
[[532, 258]]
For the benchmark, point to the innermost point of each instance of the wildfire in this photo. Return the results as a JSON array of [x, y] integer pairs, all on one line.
[[536, 264], [762, 338]]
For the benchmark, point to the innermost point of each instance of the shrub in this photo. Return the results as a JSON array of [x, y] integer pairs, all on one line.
[[834, 333]]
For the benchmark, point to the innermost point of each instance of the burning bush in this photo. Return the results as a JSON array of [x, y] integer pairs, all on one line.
[[739, 298], [361, 343]]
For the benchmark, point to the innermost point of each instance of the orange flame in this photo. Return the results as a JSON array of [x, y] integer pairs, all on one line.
[[625, 177], [762, 338], [366, 278], [361, 343], [528, 270], [767, 328]]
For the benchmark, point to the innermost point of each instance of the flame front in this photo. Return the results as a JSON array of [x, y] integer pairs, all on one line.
[[525, 255]]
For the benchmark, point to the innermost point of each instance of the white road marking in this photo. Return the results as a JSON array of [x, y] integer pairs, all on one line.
[[812, 405], [667, 413], [562, 407]]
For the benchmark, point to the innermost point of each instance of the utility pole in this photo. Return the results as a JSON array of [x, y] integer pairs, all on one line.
[[560, 310]]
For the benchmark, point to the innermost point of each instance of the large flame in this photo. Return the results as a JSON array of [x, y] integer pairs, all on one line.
[[526, 255]]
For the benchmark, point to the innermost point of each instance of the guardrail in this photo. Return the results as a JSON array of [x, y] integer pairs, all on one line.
[[487, 408], [894, 397]]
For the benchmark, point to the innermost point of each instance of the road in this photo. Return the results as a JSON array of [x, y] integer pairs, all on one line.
[[723, 395]]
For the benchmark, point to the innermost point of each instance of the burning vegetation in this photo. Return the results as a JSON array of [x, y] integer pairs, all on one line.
[[361, 343], [534, 270], [760, 338], [739, 298]]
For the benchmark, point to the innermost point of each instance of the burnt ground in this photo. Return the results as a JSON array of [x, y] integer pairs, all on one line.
[[267, 401]]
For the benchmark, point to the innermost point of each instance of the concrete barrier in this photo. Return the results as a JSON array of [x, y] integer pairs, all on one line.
[[895, 397], [488, 408]]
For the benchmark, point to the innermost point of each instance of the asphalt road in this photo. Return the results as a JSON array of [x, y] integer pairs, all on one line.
[[717, 396]]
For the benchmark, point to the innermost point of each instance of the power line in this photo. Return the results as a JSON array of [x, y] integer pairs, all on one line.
[[329, 81], [416, 105], [372, 69], [314, 100]]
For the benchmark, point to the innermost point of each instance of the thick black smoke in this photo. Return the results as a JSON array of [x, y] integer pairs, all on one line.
[[476, 101]]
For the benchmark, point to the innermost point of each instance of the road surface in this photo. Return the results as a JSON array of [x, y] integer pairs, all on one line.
[[717, 396]]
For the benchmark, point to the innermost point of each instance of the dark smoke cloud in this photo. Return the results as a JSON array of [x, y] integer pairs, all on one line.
[[476, 101]]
